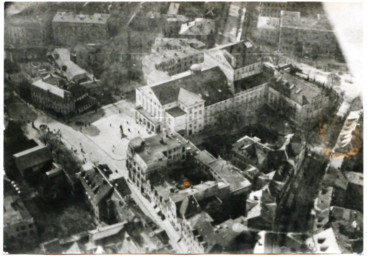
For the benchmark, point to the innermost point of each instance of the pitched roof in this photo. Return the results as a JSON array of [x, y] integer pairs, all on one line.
[[210, 84], [32, 157]]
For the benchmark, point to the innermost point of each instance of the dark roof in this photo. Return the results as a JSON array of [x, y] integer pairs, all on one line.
[[32, 157], [96, 186], [250, 82], [85, 103], [77, 90], [211, 84], [189, 207], [296, 88], [176, 111], [122, 187]]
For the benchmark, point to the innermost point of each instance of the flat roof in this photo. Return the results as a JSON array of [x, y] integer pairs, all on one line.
[[176, 112], [230, 174], [47, 85], [153, 148]]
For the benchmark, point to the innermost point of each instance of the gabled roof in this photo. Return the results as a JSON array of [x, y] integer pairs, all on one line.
[[32, 157], [210, 84]]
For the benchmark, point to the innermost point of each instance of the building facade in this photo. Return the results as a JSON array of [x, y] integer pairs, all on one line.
[[71, 28], [51, 92], [192, 102], [19, 226]]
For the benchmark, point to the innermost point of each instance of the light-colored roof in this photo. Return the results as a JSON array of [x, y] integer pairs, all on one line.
[[173, 8], [106, 231], [198, 27], [188, 98], [63, 59], [97, 18], [324, 242], [49, 87], [355, 178]]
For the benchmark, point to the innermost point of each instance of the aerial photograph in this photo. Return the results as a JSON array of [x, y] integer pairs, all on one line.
[[182, 128]]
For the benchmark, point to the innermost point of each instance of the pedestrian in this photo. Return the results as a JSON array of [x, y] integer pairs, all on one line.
[[110, 125], [128, 129], [127, 122], [138, 132]]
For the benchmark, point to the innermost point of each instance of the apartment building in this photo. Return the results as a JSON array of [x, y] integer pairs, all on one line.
[[71, 28], [171, 56]]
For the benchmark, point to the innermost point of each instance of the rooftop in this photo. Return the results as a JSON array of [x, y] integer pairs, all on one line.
[[294, 20], [198, 27], [49, 84], [170, 51], [210, 84], [250, 82], [68, 68], [355, 178], [324, 242], [296, 88], [97, 18], [230, 174], [152, 149], [32, 157], [176, 112]]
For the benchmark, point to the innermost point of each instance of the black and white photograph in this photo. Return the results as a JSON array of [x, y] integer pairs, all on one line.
[[183, 127]]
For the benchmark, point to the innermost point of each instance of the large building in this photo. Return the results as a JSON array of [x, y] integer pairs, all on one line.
[[171, 56], [26, 37], [25, 31], [302, 36], [298, 36], [196, 100], [237, 60], [200, 29], [71, 28], [183, 199], [53, 93]]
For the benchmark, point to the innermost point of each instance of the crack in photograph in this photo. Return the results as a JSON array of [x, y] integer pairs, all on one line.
[[183, 128]]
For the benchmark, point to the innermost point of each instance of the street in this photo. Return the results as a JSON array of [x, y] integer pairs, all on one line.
[[100, 142]]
